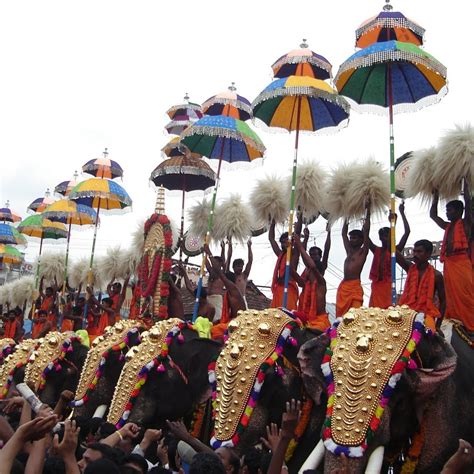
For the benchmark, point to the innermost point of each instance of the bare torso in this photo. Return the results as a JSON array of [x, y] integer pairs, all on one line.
[[354, 263], [215, 286], [241, 283]]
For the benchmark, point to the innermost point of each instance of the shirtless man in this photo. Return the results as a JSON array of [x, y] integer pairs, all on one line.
[[206, 309], [215, 286], [356, 242], [175, 300], [241, 275]]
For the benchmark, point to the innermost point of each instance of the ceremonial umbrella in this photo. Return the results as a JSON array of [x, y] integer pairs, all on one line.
[[103, 167], [6, 214], [229, 104], [175, 148], [10, 235], [42, 228], [185, 174], [178, 124], [194, 111], [10, 255], [298, 103], [41, 203], [225, 139], [387, 26], [391, 77], [100, 194], [65, 187]]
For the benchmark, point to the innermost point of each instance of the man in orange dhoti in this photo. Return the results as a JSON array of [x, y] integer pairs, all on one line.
[[381, 270], [117, 293], [278, 281], [457, 267], [422, 284], [356, 242]]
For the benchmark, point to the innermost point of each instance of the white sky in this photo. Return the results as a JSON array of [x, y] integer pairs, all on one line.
[[81, 76]]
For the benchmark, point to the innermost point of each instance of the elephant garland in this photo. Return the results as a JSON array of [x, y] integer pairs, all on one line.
[[7, 346]]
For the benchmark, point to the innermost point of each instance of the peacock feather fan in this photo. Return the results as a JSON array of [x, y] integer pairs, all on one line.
[[269, 201], [234, 220]]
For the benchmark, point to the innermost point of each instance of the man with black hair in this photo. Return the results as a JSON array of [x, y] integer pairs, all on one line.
[[241, 274], [356, 242], [229, 459], [97, 451], [422, 285], [455, 256], [206, 463]]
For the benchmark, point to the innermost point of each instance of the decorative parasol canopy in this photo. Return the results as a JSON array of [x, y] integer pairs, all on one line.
[[7, 215], [178, 124], [184, 174], [194, 111], [320, 105], [101, 194], [42, 228], [223, 138], [228, 103], [389, 26], [64, 188], [69, 212], [417, 78], [10, 255], [103, 167], [10, 235], [41, 203], [175, 148], [302, 62]]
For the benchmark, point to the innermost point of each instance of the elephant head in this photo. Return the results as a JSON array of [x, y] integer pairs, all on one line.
[[366, 372], [164, 377], [103, 365]]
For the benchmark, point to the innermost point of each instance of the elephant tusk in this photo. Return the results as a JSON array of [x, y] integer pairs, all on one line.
[[100, 411], [314, 459], [375, 461]]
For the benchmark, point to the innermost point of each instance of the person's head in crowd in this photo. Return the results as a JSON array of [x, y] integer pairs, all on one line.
[[96, 451], [102, 466], [230, 460], [159, 470], [251, 461], [206, 463], [136, 462]]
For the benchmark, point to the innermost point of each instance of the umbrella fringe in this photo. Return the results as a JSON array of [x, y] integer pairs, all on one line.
[[315, 61], [390, 23], [238, 104], [193, 170], [106, 195]]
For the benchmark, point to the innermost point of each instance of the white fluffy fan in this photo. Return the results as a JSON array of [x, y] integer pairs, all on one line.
[[234, 220], [5, 294], [420, 175], [52, 268], [336, 191], [112, 266], [454, 161], [310, 183], [22, 290], [270, 201], [80, 271], [199, 215]]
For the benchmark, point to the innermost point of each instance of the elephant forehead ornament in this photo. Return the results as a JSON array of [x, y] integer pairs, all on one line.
[[46, 357], [256, 341], [139, 361], [369, 349], [14, 361], [114, 340], [7, 345]]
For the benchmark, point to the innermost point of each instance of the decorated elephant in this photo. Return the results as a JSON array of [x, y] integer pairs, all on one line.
[[164, 377], [102, 367], [395, 395], [7, 346]]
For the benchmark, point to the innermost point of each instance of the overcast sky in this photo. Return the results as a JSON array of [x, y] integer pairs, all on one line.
[[81, 76]]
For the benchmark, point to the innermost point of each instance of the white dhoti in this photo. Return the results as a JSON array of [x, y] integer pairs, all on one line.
[[216, 301]]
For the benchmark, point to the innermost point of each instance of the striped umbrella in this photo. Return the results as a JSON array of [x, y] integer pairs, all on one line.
[[228, 103], [41, 203], [298, 103], [179, 124], [103, 167], [194, 111], [392, 77], [65, 187], [10, 255], [7, 215], [175, 148], [10, 235]]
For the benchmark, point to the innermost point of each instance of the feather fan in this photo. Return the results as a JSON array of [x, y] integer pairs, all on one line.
[[199, 216], [269, 201], [97, 281], [336, 191], [234, 220], [77, 270], [174, 233], [110, 266], [22, 290], [420, 175], [52, 268], [454, 161], [309, 193], [5, 294]]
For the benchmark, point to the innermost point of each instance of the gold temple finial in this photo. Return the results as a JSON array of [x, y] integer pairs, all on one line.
[[160, 201]]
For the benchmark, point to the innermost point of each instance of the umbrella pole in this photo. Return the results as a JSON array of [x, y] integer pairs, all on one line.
[[392, 190], [63, 291], [210, 224], [35, 297], [181, 233], [292, 207]]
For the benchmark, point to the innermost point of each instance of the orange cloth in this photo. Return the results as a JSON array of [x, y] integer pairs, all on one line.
[[10, 329], [349, 295], [225, 314], [381, 294], [67, 325], [386, 265], [133, 313], [115, 306], [37, 328], [307, 304], [319, 322], [458, 284], [51, 318], [218, 330], [104, 321], [418, 294], [460, 244], [278, 286], [46, 303]]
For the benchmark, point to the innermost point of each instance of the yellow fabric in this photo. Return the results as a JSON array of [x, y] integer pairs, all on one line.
[[84, 336], [203, 327], [304, 81]]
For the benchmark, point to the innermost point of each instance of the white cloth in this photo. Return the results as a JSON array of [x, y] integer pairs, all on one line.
[[217, 302]]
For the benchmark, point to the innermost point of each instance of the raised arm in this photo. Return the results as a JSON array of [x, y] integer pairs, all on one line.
[[327, 247], [224, 261], [434, 211], [124, 293], [187, 281], [307, 260], [218, 270], [345, 237], [229, 254], [402, 261], [271, 237], [109, 286], [366, 228], [248, 267], [406, 228], [467, 208]]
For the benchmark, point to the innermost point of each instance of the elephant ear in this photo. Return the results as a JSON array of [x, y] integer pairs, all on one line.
[[310, 357]]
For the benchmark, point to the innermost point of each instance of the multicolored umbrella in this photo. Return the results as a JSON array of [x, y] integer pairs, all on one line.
[[7, 215], [41, 203], [103, 167], [298, 103], [194, 111], [10, 255], [225, 139], [10, 235], [392, 77], [65, 187], [302, 62], [178, 124], [175, 148], [389, 26], [229, 104]]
